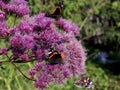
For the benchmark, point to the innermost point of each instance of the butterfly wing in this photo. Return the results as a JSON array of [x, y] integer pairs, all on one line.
[[56, 12], [84, 82], [56, 59]]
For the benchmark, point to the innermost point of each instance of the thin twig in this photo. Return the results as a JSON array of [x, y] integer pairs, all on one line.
[[9, 60], [15, 20], [22, 72], [21, 61]]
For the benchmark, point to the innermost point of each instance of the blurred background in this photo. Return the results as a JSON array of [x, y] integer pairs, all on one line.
[[99, 33]]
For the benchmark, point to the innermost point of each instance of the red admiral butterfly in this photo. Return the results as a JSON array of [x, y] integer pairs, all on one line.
[[84, 82], [54, 57], [56, 12]]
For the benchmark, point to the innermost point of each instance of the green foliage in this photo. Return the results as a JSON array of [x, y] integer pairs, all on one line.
[[102, 78], [115, 56], [11, 79]]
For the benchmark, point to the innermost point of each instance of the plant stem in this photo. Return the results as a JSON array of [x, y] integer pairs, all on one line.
[[15, 20], [22, 72]]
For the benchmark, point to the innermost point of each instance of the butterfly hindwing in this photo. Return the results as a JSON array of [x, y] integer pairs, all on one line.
[[56, 12], [55, 57], [84, 82]]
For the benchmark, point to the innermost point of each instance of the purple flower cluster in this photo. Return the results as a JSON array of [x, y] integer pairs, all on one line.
[[20, 7], [75, 57], [67, 26], [48, 36], [2, 15], [46, 73], [3, 29], [24, 57], [3, 51], [3, 25], [32, 39]]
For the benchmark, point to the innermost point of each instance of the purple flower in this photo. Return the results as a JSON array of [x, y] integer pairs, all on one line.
[[24, 26], [5, 1], [48, 37], [66, 37], [42, 21], [42, 29], [43, 80], [67, 26], [35, 36], [32, 72], [4, 33], [3, 30], [74, 53], [3, 51], [2, 15], [20, 7], [13, 30], [39, 66], [75, 57], [2, 4], [16, 40], [39, 55], [24, 57], [16, 44], [27, 42], [48, 73], [22, 41]]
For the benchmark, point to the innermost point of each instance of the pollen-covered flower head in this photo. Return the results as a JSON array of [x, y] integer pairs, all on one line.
[[20, 7], [3, 29], [2, 16], [36, 35], [47, 34], [67, 26]]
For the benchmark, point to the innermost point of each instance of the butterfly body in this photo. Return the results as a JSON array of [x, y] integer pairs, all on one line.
[[55, 57]]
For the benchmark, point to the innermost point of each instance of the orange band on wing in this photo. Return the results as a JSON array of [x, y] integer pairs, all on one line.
[[52, 55]]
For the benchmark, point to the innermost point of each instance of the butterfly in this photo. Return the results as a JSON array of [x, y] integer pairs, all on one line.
[[54, 57], [84, 82], [57, 11]]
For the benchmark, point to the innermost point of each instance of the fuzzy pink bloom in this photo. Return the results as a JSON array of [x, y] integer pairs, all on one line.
[[24, 26], [35, 36], [48, 73], [2, 15], [13, 30], [67, 26], [75, 57], [3, 51], [16, 40], [39, 54], [39, 66], [27, 42], [24, 57], [32, 72], [20, 7], [74, 64], [74, 53], [3, 29]]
